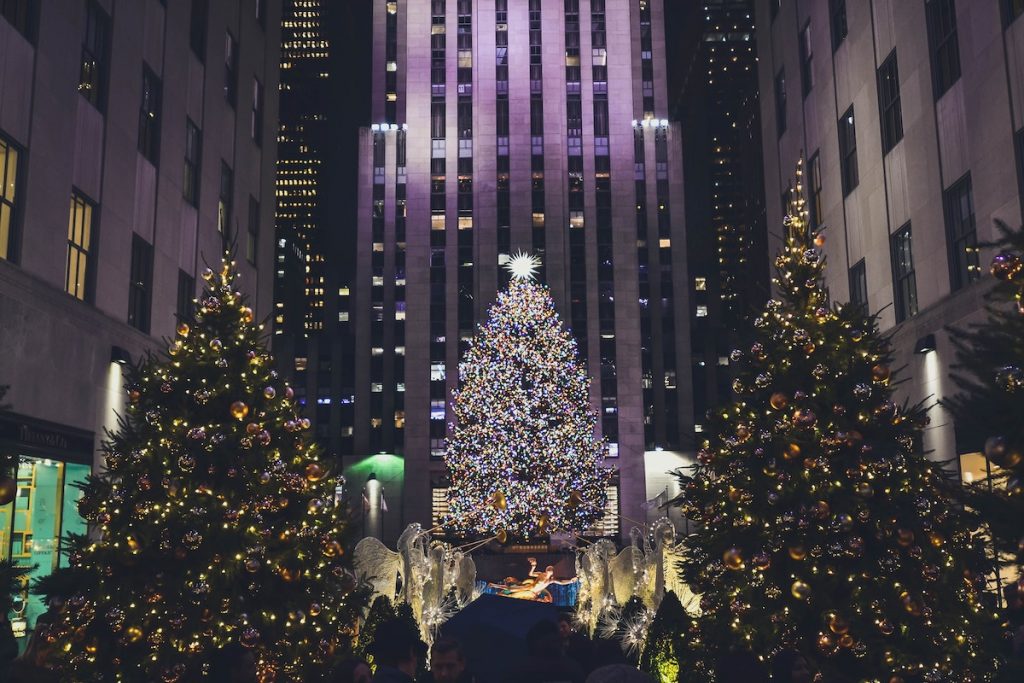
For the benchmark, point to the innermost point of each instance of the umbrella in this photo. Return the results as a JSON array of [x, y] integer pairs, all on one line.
[[492, 630]]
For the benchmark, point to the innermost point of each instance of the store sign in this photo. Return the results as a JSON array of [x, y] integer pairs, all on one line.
[[42, 436]]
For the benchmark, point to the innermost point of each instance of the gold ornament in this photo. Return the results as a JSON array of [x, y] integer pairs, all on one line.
[[133, 544], [208, 274], [498, 501], [798, 552], [778, 400], [239, 410], [792, 451], [8, 490], [800, 590], [247, 315], [881, 373], [733, 559], [183, 329], [134, 634], [905, 537], [819, 240], [837, 624], [315, 471]]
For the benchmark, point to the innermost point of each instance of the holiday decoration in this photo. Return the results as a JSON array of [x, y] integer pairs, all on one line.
[[822, 527], [989, 407], [209, 528], [524, 443], [664, 652]]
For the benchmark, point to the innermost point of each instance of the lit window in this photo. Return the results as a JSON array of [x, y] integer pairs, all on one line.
[[702, 311], [376, 387], [665, 243], [700, 284], [437, 372], [79, 239]]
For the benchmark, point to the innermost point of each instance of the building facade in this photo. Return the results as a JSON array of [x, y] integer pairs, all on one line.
[[911, 119], [500, 126], [136, 142]]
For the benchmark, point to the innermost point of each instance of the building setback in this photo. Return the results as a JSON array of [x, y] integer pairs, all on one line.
[[136, 140], [500, 126], [911, 119]]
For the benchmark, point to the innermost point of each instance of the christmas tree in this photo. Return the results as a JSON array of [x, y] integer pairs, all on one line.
[[824, 527], [664, 653], [216, 519], [524, 458], [988, 408]]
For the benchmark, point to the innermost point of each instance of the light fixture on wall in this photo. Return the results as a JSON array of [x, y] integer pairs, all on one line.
[[925, 344], [119, 355]]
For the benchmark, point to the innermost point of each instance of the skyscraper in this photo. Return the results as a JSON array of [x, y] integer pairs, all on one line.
[[501, 126], [713, 77]]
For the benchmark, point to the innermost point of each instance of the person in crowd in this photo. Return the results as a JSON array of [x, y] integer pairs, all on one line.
[[545, 662], [740, 666], [352, 671], [398, 651], [233, 664], [8, 643], [575, 645], [789, 666], [447, 663], [35, 665]]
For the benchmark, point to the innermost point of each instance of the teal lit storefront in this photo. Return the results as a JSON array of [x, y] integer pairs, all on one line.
[[52, 459]]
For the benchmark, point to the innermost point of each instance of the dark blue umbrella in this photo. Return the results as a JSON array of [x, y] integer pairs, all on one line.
[[492, 630]]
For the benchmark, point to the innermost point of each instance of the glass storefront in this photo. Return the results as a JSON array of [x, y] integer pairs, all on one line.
[[44, 509]]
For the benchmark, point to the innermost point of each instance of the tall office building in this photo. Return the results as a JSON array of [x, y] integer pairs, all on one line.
[[909, 115], [135, 142], [501, 126], [713, 76]]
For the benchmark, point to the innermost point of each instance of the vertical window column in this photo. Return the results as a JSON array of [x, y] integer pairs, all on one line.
[[643, 261], [391, 63], [577, 224], [504, 201], [438, 232], [537, 129], [466, 301], [377, 294], [668, 322], [398, 338]]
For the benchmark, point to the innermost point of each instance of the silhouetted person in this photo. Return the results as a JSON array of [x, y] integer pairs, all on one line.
[[447, 663], [35, 663], [397, 651], [352, 671], [789, 666], [545, 660], [233, 664], [575, 645]]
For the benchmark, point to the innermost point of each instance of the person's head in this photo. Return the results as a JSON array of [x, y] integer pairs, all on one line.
[[740, 667], [542, 640], [789, 666], [565, 626], [233, 664], [352, 671], [447, 661], [397, 644]]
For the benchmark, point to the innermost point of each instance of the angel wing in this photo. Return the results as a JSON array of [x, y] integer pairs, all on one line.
[[377, 565], [626, 570], [465, 583]]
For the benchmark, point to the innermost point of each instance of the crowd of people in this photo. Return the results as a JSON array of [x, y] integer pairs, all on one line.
[[555, 653]]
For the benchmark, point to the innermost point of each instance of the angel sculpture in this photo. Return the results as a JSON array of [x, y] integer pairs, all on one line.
[[595, 584], [627, 569], [378, 566], [463, 578], [664, 567]]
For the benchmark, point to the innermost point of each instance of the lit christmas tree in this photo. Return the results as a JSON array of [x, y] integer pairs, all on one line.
[[988, 408], [824, 527], [217, 521], [524, 459]]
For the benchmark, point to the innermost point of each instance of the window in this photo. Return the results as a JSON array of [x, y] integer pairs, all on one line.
[[889, 103], [780, 102], [806, 60], [140, 286], [20, 14], [9, 155], [944, 44], [837, 21], [256, 118], [848, 152], [92, 74], [227, 182], [254, 230], [961, 234], [904, 284], [80, 227], [186, 293], [149, 116], [1011, 10], [193, 158], [859, 285], [197, 28], [814, 189], [230, 69]]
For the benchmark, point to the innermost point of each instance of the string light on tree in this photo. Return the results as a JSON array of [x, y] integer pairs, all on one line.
[[523, 457], [823, 528]]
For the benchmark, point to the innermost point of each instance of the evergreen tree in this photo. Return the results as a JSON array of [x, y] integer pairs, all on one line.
[[380, 611], [216, 518], [524, 457], [824, 528], [989, 408], [664, 654]]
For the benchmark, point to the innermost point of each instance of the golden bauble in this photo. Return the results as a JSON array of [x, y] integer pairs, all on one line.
[[819, 240], [837, 624], [778, 400], [315, 471], [239, 410], [797, 552], [800, 590], [498, 501], [8, 490], [846, 640], [247, 315], [183, 329], [133, 634], [881, 373], [792, 451], [733, 559], [904, 537]]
